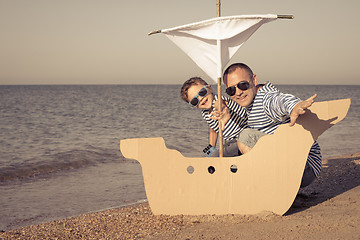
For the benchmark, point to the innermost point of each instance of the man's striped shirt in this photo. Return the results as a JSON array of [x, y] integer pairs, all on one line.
[[236, 123], [271, 108]]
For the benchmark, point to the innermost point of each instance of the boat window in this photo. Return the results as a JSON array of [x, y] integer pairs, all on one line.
[[190, 169], [211, 169]]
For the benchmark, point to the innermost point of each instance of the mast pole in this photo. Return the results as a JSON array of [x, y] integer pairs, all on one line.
[[221, 144]]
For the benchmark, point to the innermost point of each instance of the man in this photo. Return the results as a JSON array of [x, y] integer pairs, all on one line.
[[267, 108]]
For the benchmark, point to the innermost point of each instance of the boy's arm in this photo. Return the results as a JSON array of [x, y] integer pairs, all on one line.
[[222, 117], [213, 125], [213, 137]]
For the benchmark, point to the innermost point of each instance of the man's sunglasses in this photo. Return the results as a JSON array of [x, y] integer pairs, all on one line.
[[243, 86], [202, 93]]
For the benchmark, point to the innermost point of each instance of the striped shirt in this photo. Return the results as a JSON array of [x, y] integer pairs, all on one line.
[[271, 108], [236, 123]]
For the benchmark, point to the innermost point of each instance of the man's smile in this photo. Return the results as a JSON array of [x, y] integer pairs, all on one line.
[[241, 97]]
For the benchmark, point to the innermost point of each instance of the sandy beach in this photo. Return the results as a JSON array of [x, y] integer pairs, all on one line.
[[327, 209]]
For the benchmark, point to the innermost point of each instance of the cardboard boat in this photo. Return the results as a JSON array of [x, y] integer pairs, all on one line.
[[265, 179]]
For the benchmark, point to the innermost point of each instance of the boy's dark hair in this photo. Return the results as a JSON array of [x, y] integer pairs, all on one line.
[[235, 66], [187, 84]]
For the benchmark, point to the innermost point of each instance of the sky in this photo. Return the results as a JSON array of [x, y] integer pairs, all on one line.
[[106, 41]]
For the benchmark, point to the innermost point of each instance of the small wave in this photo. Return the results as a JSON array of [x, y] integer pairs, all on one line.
[[68, 160]]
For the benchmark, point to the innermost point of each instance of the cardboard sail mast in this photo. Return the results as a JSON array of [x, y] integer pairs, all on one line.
[[219, 107]]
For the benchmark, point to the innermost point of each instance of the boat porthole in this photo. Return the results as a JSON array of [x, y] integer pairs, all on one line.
[[233, 168], [190, 169], [211, 169]]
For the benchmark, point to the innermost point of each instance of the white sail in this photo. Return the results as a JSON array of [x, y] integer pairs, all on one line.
[[212, 43]]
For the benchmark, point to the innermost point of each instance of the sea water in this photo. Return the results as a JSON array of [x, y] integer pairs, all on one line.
[[59, 145]]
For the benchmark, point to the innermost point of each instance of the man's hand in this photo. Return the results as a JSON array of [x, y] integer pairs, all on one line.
[[300, 108], [222, 116]]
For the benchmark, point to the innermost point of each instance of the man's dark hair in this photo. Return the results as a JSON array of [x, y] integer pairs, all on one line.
[[235, 66]]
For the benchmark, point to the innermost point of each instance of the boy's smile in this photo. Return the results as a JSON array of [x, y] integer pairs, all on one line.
[[203, 101]]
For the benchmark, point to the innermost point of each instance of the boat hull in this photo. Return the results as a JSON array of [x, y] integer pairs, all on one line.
[[266, 179]]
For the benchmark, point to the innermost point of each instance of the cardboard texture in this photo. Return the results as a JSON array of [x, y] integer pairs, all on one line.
[[267, 178]]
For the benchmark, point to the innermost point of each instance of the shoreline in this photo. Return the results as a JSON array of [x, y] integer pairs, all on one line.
[[328, 208]]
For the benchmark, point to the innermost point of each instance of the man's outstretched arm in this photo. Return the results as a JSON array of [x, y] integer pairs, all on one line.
[[300, 108]]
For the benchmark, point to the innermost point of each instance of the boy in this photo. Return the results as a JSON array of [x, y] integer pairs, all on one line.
[[199, 94]]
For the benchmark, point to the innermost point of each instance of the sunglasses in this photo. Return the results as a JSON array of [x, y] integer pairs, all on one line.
[[202, 93], [243, 86]]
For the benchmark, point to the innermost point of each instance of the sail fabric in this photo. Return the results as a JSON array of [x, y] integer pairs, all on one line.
[[212, 43]]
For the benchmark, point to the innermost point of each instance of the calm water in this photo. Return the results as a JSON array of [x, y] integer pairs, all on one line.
[[60, 155]]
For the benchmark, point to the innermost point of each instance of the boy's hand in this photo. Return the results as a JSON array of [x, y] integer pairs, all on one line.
[[222, 116], [223, 104], [299, 109]]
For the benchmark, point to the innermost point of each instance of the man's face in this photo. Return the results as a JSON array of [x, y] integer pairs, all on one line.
[[243, 98]]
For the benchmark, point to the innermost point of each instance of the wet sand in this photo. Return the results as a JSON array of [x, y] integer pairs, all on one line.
[[327, 209]]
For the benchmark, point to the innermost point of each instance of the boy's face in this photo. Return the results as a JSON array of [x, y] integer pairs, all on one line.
[[204, 102]]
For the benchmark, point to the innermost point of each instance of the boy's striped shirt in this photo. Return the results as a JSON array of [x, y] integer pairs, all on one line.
[[236, 123]]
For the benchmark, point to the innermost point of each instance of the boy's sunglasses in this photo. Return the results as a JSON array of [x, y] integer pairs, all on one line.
[[202, 93], [243, 86]]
